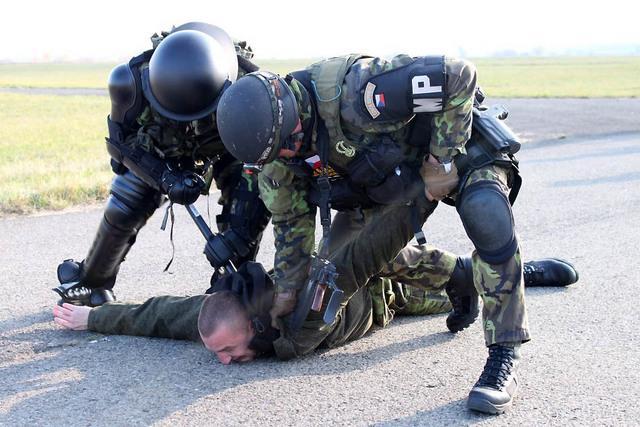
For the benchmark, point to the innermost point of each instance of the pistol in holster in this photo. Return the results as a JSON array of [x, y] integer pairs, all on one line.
[[322, 279]]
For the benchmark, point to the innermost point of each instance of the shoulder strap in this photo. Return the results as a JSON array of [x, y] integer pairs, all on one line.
[[325, 187], [326, 80]]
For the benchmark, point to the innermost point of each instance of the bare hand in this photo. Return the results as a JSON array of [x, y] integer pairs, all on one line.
[[431, 160], [283, 303], [72, 317], [438, 181]]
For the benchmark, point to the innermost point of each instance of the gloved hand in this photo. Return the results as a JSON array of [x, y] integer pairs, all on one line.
[[182, 187], [219, 250], [284, 301]]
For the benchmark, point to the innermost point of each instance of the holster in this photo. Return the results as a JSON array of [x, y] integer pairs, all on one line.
[[492, 142]]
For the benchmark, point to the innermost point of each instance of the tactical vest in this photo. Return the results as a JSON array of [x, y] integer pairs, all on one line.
[[326, 81], [350, 99], [333, 88]]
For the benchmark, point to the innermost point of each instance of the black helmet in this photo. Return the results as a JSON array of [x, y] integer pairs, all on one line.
[[221, 37], [255, 116], [187, 72]]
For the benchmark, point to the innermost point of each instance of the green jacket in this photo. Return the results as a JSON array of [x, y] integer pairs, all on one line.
[[177, 318]]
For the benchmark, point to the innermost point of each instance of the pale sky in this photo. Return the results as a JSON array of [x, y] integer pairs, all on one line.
[[116, 30]]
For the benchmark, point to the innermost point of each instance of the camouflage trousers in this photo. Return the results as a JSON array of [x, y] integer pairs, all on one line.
[[412, 284], [501, 286], [364, 242]]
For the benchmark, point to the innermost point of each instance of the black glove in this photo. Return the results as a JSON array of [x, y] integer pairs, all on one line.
[[219, 250], [182, 187], [399, 187]]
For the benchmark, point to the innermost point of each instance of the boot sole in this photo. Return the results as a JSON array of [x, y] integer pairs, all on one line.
[[486, 407], [462, 327]]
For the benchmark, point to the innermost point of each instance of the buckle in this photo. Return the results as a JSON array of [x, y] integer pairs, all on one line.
[[323, 183]]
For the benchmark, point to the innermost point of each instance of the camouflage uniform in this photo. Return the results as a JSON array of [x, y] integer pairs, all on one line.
[[412, 284], [500, 286], [383, 231]]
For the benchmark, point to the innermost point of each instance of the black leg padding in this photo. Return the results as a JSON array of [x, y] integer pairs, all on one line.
[[130, 205]]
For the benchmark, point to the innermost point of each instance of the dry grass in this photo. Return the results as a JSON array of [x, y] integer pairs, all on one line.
[[52, 152], [500, 77]]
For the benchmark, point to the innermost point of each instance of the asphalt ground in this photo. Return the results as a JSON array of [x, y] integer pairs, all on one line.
[[580, 201]]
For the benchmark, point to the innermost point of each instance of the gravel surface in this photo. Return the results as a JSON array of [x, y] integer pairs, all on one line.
[[579, 201]]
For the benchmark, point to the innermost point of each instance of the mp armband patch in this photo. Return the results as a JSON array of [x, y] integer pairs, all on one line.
[[398, 94], [428, 85]]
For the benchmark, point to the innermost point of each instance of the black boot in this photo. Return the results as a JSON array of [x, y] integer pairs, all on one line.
[[131, 204], [549, 272], [463, 296], [498, 383], [73, 291]]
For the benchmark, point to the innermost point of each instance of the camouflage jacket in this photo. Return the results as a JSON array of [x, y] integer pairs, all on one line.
[[285, 184]]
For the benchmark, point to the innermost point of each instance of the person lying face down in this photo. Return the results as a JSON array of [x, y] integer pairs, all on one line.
[[223, 326], [221, 323]]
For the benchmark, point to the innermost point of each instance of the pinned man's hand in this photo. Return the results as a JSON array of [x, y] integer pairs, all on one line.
[[74, 317]]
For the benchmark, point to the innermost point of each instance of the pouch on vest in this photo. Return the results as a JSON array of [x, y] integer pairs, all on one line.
[[343, 196], [399, 187], [375, 162]]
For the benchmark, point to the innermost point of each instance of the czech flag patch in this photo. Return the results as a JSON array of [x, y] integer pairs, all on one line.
[[313, 162], [380, 100]]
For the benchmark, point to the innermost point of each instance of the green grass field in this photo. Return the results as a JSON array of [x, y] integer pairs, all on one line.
[[503, 77], [590, 77], [52, 152]]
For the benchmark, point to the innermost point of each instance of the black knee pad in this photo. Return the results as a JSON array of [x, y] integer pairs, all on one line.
[[487, 218], [131, 203]]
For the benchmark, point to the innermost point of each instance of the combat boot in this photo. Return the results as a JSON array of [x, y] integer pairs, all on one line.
[[498, 383], [549, 272], [73, 291], [463, 296]]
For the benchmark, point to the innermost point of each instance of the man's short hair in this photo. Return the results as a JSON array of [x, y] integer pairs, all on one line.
[[218, 308]]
